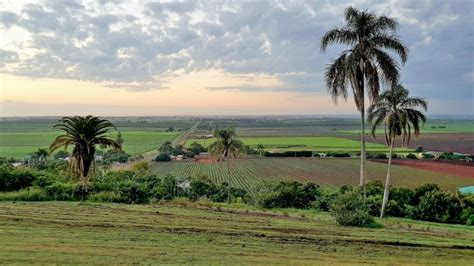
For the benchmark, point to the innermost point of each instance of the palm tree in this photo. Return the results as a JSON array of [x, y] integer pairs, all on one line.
[[41, 154], [166, 147], [261, 149], [84, 133], [399, 114], [365, 64], [226, 145]]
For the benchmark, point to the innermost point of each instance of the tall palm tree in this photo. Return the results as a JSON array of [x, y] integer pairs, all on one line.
[[225, 146], [84, 133], [365, 64], [397, 111]]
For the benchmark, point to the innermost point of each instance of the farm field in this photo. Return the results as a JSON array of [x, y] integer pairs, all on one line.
[[466, 169], [250, 173], [437, 126], [19, 144], [320, 144], [89, 233]]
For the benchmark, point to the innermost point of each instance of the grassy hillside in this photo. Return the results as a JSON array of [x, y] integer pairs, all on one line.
[[248, 173], [70, 232]]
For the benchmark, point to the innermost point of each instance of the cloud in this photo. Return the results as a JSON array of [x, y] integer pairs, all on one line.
[[127, 45]]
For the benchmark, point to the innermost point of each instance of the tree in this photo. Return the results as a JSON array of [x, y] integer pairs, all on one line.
[[166, 147], [365, 65], [397, 111], [226, 145], [197, 148], [260, 149], [119, 140], [84, 132], [41, 154]]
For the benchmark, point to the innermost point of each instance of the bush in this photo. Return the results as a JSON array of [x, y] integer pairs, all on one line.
[[202, 187], [106, 196], [64, 191], [338, 154], [11, 179], [399, 201], [436, 206], [163, 157], [411, 156], [422, 190], [27, 194], [197, 148], [292, 195], [131, 192], [381, 156], [374, 188], [349, 209]]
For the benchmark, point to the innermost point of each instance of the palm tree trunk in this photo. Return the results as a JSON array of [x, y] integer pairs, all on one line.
[[362, 150], [387, 180], [228, 180]]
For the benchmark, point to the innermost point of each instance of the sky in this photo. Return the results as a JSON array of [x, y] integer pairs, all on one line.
[[141, 57]]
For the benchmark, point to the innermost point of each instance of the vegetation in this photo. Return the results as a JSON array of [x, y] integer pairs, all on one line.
[[366, 64], [170, 232], [84, 133], [225, 147], [399, 115]]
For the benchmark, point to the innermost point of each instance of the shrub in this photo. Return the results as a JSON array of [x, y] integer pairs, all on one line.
[[106, 196], [419, 149], [27, 194], [380, 156], [292, 195], [399, 201], [197, 148], [163, 157], [411, 156], [349, 209], [202, 187], [324, 200], [374, 188], [338, 154], [374, 204], [131, 191], [422, 190], [436, 206], [11, 179], [64, 191]]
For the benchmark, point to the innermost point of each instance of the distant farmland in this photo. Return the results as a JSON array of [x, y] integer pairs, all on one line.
[[320, 144], [19, 144], [249, 173]]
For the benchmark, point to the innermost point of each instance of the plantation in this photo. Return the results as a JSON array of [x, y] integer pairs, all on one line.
[[319, 144], [249, 173], [19, 144]]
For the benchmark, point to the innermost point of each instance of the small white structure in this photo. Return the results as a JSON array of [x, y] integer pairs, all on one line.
[[179, 158], [16, 164]]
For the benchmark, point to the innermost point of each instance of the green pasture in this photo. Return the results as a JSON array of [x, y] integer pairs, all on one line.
[[19, 144], [320, 144], [182, 232], [436, 126]]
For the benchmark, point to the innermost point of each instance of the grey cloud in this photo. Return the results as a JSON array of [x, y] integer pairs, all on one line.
[[128, 49]]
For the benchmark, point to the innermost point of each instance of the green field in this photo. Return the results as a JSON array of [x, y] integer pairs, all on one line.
[[319, 144], [249, 173], [19, 144], [434, 126], [182, 232]]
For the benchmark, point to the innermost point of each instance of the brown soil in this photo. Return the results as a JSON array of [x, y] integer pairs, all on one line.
[[442, 167]]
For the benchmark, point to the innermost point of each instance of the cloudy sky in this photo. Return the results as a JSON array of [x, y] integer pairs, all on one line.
[[214, 57]]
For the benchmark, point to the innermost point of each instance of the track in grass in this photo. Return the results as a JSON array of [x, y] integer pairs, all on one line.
[[249, 173]]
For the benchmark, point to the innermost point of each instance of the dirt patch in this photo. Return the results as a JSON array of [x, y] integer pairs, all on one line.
[[436, 166]]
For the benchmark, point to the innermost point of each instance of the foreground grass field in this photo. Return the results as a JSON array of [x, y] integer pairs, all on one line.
[[19, 144], [319, 144], [249, 173], [71, 232]]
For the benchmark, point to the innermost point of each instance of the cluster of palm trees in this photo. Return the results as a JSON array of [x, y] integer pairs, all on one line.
[[365, 66]]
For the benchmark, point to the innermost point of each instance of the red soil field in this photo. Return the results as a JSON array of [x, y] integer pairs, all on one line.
[[436, 166]]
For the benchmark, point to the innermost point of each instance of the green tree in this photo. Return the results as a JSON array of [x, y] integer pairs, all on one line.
[[166, 147], [397, 111], [261, 149], [224, 147], [120, 140], [41, 155], [84, 133], [365, 64]]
